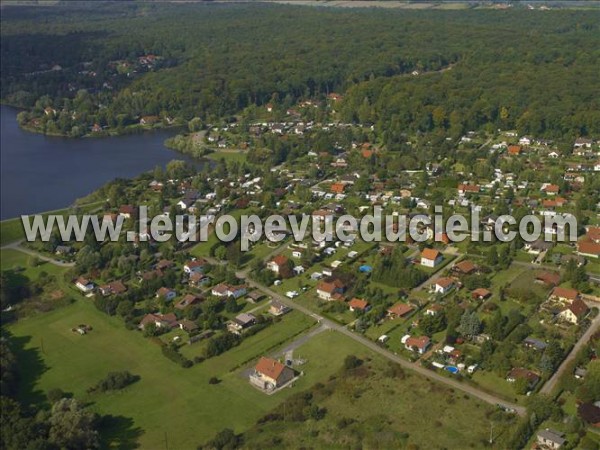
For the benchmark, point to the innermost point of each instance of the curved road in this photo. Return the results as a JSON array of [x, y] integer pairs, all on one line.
[[17, 246]]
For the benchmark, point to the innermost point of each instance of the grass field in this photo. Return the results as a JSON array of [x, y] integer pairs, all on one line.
[[239, 157], [167, 399], [11, 230], [371, 409]]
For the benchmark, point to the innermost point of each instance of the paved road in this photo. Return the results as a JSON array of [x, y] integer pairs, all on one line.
[[439, 274], [17, 246], [384, 352], [551, 383], [301, 340]]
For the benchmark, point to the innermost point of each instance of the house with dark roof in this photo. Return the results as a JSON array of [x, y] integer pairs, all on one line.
[[278, 308], [188, 300], [160, 320], [551, 439], [241, 322], [518, 373], [589, 413], [534, 344], [113, 288], [574, 312]]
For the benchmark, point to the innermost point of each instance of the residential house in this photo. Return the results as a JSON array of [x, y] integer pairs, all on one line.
[[330, 290], [574, 312], [464, 189], [127, 211], [465, 267], [550, 189], [113, 288], [166, 294], [228, 290], [164, 264], [270, 374], [590, 413], [188, 300], [534, 344], [537, 247], [517, 373], [84, 285], [480, 294], [199, 279], [416, 344], [195, 266], [514, 150], [525, 140], [551, 439], [443, 285], [564, 295], [277, 263], [399, 310], [583, 143], [63, 250], [160, 320], [434, 309], [548, 278], [188, 325], [241, 322], [278, 308], [431, 257], [358, 304]]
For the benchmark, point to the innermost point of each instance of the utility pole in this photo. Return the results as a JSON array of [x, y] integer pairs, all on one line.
[[166, 441], [491, 432]]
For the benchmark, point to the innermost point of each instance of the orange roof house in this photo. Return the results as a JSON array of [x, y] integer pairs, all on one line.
[[514, 150], [270, 374], [338, 188], [564, 294], [399, 310], [358, 304]]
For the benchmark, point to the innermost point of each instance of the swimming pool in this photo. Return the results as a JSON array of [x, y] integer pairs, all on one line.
[[452, 369]]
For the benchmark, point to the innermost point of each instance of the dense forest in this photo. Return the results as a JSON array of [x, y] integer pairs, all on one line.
[[424, 71]]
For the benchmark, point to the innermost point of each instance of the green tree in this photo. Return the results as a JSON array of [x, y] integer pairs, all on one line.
[[71, 426]]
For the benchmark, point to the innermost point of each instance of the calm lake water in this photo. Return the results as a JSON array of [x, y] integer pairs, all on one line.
[[40, 173]]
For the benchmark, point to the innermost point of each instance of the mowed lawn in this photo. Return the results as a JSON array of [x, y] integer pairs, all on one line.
[[11, 259], [167, 399]]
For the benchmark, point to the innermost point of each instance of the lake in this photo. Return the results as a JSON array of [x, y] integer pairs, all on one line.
[[43, 173]]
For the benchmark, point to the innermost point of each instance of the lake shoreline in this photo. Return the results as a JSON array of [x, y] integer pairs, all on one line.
[[41, 172]]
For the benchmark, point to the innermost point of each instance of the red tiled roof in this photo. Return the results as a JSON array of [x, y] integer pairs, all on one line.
[[269, 367], [444, 282], [579, 308], [430, 253], [280, 260], [570, 294], [419, 342], [400, 309], [358, 303], [465, 267], [588, 247]]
